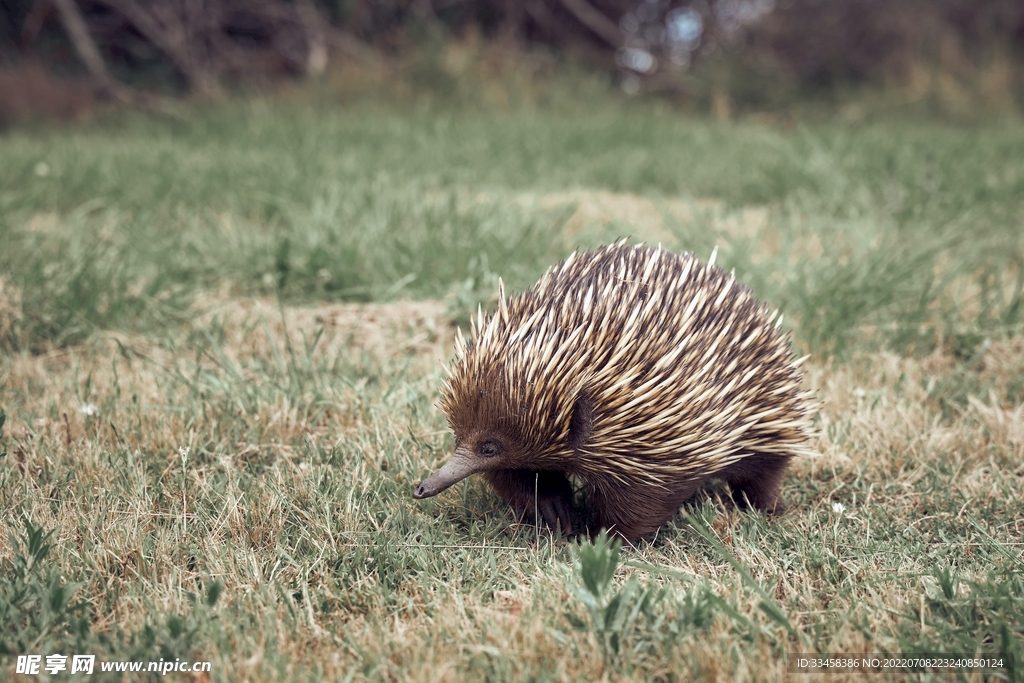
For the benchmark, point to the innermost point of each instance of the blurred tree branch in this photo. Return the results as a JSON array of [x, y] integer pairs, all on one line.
[[173, 26], [84, 46], [206, 39], [601, 25], [316, 54]]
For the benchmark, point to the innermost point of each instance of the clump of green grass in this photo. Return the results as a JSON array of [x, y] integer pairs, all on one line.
[[613, 614], [38, 609]]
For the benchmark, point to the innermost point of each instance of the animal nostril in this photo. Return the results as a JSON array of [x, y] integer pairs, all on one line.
[[419, 490]]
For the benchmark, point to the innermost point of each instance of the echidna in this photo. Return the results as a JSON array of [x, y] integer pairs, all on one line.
[[637, 371]]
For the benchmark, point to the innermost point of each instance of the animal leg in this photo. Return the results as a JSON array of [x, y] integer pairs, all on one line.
[[536, 496], [756, 480], [633, 513]]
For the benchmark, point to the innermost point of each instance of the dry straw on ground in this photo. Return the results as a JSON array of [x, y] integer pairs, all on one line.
[[880, 423]]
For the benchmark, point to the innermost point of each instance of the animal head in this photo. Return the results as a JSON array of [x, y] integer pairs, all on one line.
[[495, 426]]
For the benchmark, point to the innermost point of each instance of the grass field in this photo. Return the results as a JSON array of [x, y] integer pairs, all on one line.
[[222, 342]]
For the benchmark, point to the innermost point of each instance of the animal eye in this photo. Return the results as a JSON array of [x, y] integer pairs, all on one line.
[[488, 449]]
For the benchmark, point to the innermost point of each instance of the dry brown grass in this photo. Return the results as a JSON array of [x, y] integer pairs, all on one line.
[[591, 215], [10, 309], [142, 524]]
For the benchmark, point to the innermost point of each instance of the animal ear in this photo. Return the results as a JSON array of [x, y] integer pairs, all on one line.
[[581, 425]]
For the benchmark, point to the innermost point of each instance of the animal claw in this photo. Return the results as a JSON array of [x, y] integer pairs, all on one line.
[[555, 513]]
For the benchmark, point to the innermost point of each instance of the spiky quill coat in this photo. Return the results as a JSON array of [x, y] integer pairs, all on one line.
[[637, 371]]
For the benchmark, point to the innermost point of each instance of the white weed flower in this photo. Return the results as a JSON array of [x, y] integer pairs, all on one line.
[[838, 508], [184, 451], [88, 409], [859, 393]]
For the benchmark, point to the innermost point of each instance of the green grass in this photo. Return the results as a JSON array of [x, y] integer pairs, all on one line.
[[284, 543], [366, 204]]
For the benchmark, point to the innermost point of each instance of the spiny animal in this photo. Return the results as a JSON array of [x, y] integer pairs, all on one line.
[[638, 372]]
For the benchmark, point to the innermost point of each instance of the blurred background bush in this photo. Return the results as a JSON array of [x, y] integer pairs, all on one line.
[[60, 57]]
